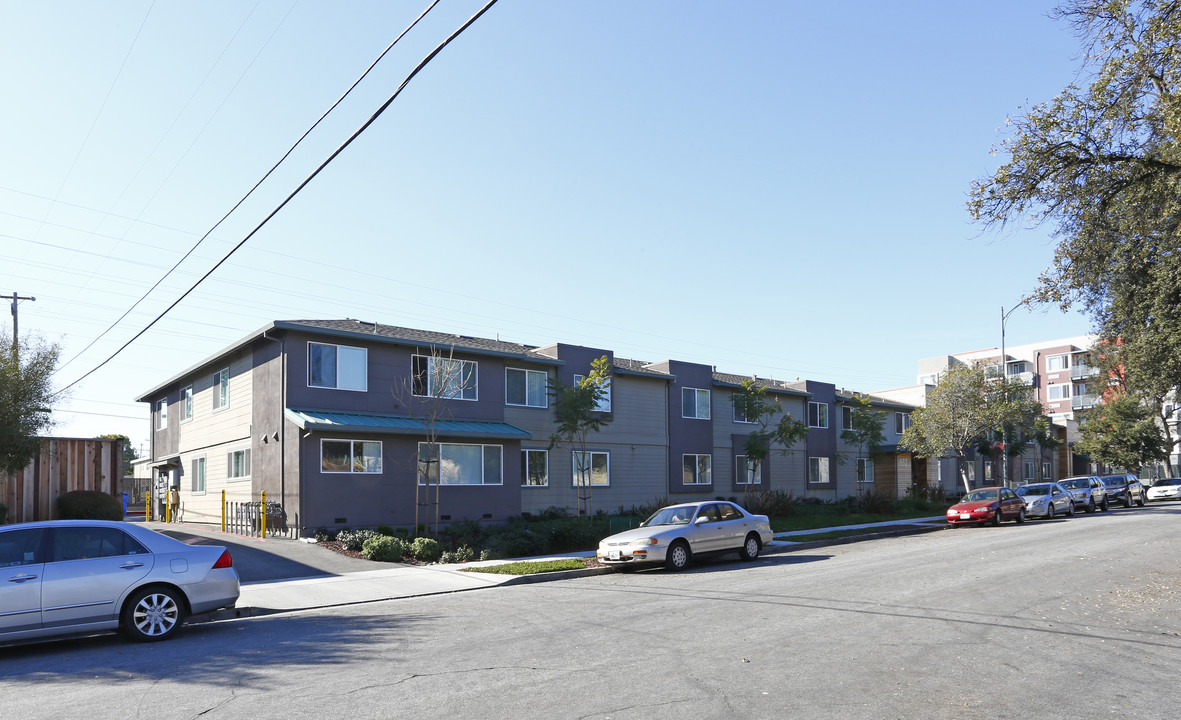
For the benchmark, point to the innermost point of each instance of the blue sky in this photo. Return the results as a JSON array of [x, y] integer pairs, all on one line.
[[769, 187]]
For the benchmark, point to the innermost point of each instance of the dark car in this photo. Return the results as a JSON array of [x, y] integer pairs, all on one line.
[[991, 504], [1125, 489]]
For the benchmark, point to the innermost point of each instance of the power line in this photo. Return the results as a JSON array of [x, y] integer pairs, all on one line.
[[239, 204], [365, 126]]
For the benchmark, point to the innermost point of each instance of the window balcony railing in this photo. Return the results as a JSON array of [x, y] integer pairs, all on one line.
[[1025, 378], [1081, 372], [1081, 402]]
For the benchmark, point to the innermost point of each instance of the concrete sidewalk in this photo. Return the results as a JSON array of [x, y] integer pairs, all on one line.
[[330, 579]]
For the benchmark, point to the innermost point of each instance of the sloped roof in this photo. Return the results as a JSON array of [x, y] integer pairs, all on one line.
[[769, 384]]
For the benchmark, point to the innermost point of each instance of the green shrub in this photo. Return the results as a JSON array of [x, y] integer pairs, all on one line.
[[461, 554], [89, 505], [383, 548], [876, 503], [386, 530], [425, 549], [323, 534], [772, 503], [516, 541], [354, 539]]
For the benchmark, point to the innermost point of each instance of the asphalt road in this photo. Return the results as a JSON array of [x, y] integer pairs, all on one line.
[[1076, 618]]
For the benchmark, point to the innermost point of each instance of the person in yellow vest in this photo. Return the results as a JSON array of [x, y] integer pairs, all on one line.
[[173, 504]]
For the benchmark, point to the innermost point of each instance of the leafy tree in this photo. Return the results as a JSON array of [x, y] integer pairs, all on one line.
[[129, 453], [866, 431], [752, 403], [1122, 433], [25, 399], [965, 407], [576, 416], [1101, 165]]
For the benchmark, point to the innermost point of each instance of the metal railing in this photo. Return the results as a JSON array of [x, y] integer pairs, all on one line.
[[257, 518]]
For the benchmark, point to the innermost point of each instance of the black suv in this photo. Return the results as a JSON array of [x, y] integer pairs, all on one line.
[[1125, 489]]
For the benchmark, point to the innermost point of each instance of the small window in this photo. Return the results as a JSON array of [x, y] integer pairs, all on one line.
[[526, 388], [697, 469], [901, 422], [238, 464], [818, 470], [1058, 392], [186, 402], [350, 456], [445, 378], [988, 471], [817, 415], [162, 414], [745, 471], [846, 417], [337, 367], [534, 468], [1055, 363], [695, 403], [221, 389], [197, 482], [1047, 471], [865, 472], [460, 464], [594, 468], [1029, 470], [604, 404]]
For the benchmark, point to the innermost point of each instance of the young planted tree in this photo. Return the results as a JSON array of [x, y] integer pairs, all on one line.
[[436, 380], [866, 431], [773, 427], [1122, 433], [25, 399], [578, 414]]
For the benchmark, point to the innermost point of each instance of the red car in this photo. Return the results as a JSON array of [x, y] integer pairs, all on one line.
[[991, 504]]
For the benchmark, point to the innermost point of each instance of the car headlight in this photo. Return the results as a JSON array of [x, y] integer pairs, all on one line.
[[645, 541]]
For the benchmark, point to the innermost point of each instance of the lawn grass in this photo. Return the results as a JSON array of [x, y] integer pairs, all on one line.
[[529, 567]]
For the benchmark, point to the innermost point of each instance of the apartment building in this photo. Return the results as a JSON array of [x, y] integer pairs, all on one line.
[[332, 418]]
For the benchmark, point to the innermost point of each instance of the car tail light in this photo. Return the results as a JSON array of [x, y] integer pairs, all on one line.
[[224, 561]]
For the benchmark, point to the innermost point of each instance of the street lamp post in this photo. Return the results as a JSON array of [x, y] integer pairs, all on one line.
[[1004, 388]]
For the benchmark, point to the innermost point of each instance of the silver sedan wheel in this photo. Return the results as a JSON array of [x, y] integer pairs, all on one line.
[[153, 614]]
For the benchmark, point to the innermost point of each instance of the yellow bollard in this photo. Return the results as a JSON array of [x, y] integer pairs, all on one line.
[[167, 508], [223, 510], [264, 514], [148, 506]]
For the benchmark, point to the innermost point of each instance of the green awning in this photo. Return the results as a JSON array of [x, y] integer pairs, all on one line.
[[402, 425]]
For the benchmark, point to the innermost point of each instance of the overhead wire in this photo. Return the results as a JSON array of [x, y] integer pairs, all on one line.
[[250, 192], [372, 119]]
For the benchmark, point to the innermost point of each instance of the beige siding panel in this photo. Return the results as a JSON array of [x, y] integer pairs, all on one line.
[[638, 476], [209, 427], [639, 411]]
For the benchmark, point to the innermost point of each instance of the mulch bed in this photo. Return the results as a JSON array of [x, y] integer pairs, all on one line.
[[337, 547]]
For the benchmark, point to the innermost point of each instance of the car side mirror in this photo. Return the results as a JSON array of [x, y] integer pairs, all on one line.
[[701, 520]]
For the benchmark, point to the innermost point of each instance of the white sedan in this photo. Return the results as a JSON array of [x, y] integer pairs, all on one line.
[[677, 533], [1166, 489]]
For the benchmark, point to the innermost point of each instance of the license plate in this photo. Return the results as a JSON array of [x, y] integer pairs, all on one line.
[[965, 516], [612, 554]]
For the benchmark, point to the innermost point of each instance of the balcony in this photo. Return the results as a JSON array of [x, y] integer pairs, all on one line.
[[1082, 372], [1082, 402], [1025, 378]]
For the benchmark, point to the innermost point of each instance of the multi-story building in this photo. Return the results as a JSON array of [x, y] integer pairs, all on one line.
[[333, 419]]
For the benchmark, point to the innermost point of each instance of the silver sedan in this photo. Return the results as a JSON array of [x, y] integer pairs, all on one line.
[[64, 577], [677, 533], [1046, 500]]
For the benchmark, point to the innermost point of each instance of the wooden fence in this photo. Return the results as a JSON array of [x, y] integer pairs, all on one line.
[[63, 465]]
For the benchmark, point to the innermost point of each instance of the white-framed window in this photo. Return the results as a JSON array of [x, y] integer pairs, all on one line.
[[445, 378], [818, 470], [604, 404], [1080, 389], [526, 388], [901, 422], [460, 464], [1058, 392], [186, 402], [338, 367], [846, 417], [594, 467], [695, 403], [865, 471], [350, 456], [534, 468], [697, 469], [988, 471], [238, 464], [1047, 471], [1054, 363], [1029, 466], [745, 471], [1018, 367], [162, 414], [221, 389], [197, 481], [817, 415], [740, 417]]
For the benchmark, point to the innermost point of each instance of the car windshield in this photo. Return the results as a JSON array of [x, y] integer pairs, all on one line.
[[1076, 484], [1168, 481], [1116, 481], [980, 496], [672, 516], [1033, 490]]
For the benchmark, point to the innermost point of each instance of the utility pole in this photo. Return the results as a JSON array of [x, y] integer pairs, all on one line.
[[15, 343]]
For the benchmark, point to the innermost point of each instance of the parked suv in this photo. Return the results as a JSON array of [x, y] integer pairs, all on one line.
[[1125, 489], [1087, 492]]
